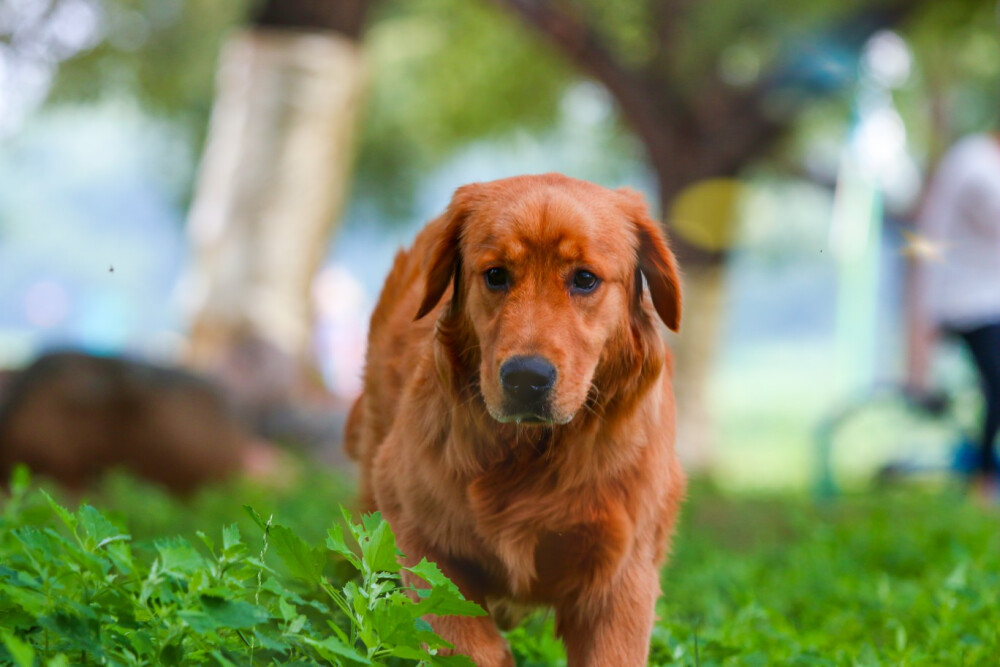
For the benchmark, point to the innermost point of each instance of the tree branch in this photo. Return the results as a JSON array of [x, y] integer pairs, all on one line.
[[584, 48], [666, 17]]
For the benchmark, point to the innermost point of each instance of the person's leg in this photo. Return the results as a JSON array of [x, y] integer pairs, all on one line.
[[984, 343]]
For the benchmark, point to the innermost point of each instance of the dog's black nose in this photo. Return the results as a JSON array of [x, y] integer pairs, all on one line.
[[526, 380]]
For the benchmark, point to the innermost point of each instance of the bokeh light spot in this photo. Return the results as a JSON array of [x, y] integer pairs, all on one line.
[[46, 304], [705, 214]]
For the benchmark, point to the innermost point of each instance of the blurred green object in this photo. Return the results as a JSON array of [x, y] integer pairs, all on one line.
[[883, 435]]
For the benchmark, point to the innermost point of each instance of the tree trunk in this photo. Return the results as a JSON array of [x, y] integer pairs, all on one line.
[[272, 182]]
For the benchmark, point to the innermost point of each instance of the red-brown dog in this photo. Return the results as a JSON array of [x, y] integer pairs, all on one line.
[[517, 423]]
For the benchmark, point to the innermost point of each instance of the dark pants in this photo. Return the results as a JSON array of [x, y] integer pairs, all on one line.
[[984, 344]]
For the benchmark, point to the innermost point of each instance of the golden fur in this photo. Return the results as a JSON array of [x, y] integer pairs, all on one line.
[[572, 513]]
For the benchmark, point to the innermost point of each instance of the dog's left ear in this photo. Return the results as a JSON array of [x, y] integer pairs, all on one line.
[[444, 261], [656, 261]]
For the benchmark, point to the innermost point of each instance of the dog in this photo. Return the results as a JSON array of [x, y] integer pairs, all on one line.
[[517, 421]]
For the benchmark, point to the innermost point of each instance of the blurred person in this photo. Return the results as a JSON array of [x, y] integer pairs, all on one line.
[[956, 282]]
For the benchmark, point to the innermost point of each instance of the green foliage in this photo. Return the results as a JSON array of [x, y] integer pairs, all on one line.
[[160, 52], [74, 589], [908, 577], [443, 73], [896, 578], [447, 73]]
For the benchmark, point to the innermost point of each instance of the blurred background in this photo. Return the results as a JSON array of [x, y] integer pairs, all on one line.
[[202, 198]]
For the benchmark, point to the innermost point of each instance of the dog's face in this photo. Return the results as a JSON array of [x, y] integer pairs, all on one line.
[[547, 271]]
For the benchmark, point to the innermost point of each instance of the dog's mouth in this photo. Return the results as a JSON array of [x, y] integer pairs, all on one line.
[[528, 418], [525, 420]]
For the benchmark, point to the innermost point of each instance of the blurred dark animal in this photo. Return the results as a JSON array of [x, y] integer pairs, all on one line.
[[520, 432], [71, 416]]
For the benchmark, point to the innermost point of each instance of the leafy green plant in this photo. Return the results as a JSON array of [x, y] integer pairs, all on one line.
[[75, 590], [910, 577]]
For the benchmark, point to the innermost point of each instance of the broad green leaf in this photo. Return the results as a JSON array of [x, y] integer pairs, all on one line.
[[452, 661], [443, 598], [302, 560], [331, 648], [410, 653], [172, 654], [430, 573], [295, 627], [64, 514], [221, 659], [233, 613], [206, 540], [335, 543], [39, 545], [273, 585], [217, 613], [78, 634], [257, 518], [95, 525], [110, 540], [392, 620], [231, 537], [121, 555], [378, 544], [270, 640], [34, 602], [287, 609], [21, 652], [142, 642], [177, 556]]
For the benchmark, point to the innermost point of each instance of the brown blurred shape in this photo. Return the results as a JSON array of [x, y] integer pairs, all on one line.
[[70, 416]]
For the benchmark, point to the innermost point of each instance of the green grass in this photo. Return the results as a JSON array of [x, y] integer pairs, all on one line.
[[906, 577]]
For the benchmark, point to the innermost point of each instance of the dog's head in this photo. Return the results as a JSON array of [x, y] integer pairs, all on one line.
[[548, 285]]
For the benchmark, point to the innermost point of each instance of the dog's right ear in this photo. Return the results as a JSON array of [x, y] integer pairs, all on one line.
[[444, 261], [655, 261]]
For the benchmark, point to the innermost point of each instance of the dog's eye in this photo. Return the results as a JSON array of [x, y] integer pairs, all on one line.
[[497, 279], [584, 281]]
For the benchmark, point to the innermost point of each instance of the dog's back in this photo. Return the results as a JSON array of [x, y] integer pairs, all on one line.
[[393, 343]]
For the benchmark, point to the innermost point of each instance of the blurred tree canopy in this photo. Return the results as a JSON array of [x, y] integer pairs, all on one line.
[[447, 72], [159, 52]]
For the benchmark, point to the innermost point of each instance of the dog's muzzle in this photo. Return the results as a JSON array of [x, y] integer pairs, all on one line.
[[527, 383]]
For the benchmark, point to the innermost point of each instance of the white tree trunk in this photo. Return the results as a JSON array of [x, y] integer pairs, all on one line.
[[272, 183], [696, 350]]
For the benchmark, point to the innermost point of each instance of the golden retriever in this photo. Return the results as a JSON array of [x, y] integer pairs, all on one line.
[[517, 421]]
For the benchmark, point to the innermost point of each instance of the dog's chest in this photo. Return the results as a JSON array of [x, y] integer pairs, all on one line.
[[568, 560], [549, 543]]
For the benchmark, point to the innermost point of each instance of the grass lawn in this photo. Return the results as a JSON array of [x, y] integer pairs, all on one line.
[[907, 577]]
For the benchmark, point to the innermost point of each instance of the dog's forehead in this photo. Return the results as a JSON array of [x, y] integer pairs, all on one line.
[[564, 224]]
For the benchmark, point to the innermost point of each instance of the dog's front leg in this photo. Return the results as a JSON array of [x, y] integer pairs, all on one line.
[[611, 626], [474, 636]]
